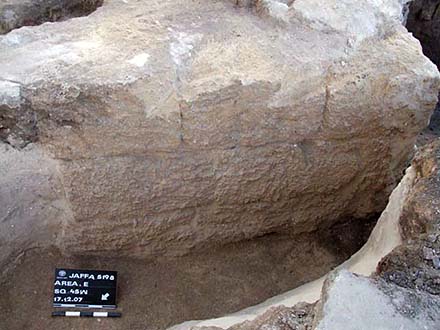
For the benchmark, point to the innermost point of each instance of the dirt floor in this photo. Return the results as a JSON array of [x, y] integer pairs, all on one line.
[[157, 294]]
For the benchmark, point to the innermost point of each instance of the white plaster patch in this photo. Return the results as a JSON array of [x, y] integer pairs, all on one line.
[[93, 43], [10, 94], [70, 49], [355, 17], [182, 47], [11, 39], [71, 58], [71, 52], [359, 18], [247, 81], [392, 8], [139, 60], [277, 9]]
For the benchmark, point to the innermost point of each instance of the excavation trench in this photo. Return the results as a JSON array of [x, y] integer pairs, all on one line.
[[424, 22], [17, 13], [155, 294]]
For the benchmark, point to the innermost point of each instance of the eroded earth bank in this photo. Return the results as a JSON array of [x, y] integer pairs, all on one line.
[[215, 153]]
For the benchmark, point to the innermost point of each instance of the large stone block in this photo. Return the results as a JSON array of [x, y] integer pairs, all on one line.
[[176, 125]]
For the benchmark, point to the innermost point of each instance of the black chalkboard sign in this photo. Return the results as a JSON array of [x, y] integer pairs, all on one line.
[[84, 288]]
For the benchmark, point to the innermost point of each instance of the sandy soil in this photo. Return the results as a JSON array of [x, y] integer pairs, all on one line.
[[157, 294], [383, 239]]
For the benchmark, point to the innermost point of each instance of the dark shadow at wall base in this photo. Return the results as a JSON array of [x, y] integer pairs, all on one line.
[[17, 13]]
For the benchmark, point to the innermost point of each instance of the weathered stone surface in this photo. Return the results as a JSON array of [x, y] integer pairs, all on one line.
[[178, 124], [355, 302], [414, 264], [277, 318], [421, 214]]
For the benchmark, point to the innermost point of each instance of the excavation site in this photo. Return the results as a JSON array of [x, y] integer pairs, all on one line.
[[219, 165]]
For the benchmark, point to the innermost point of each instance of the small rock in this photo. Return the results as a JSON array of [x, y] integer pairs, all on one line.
[[436, 262], [428, 254], [432, 238]]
